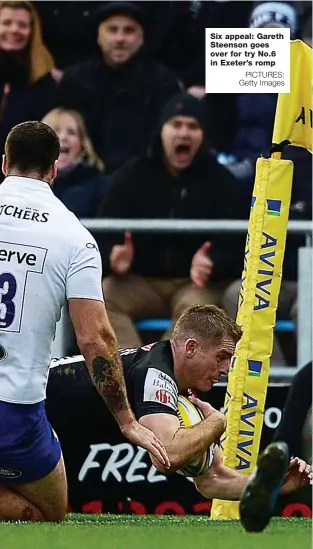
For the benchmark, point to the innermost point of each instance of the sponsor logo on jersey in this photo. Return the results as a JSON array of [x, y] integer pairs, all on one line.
[[15, 256], [30, 214], [23, 254], [163, 396], [160, 387], [91, 246]]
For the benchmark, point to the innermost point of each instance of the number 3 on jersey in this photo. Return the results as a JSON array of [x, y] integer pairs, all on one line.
[[7, 294], [20, 260]]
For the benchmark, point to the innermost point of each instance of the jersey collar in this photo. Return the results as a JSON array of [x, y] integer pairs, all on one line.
[[26, 183]]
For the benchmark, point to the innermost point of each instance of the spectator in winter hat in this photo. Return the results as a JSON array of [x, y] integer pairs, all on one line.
[[120, 96], [256, 112], [276, 14], [153, 275]]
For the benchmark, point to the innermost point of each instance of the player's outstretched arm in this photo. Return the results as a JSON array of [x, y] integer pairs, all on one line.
[[184, 444], [98, 345], [222, 482]]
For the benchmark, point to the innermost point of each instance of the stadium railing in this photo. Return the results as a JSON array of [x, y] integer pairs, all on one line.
[[163, 324], [305, 228]]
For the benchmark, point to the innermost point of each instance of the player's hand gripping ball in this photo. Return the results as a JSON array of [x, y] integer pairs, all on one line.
[[189, 415]]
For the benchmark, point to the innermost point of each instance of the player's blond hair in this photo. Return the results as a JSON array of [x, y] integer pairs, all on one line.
[[208, 323], [37, 56], [51, 118]]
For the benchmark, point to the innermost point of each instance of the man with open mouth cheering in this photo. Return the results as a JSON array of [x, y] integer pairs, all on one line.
[[154, 275]]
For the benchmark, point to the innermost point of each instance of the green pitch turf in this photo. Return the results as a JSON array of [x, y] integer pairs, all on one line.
[[154, 532]]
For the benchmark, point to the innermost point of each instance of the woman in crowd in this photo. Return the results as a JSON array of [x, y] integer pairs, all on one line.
[[80, 182], [27, 89]]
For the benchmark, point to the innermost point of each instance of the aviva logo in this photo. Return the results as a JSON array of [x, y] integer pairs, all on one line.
[[254, 368], [273, 206]]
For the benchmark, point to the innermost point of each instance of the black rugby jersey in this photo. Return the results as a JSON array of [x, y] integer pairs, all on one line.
[[149, 376], [150, 381]]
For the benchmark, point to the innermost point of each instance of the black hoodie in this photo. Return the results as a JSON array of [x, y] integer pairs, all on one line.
[[143, 189]]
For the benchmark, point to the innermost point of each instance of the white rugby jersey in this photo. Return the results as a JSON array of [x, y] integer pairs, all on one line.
[[46, 257]]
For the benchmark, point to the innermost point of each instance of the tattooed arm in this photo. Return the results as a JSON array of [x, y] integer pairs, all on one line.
[[97, 343]]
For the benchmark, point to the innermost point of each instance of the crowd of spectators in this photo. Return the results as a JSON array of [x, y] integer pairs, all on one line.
[[123, 85]]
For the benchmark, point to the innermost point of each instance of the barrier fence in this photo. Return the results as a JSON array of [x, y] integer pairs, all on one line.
[[304, 228]]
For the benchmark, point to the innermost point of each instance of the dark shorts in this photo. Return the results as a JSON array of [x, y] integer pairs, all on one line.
[[29, 449]]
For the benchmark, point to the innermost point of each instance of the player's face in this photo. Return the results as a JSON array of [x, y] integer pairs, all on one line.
[[119, 38], [15, 29], [209, 365], [70, 141], [181, 138]]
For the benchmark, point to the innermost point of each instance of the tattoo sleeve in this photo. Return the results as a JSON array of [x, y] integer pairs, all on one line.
[[108, 378]]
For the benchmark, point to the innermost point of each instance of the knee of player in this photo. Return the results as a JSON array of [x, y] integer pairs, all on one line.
[[56, 510], [56, 515]]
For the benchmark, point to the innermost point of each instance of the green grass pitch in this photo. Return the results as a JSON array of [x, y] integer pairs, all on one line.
[[154, 532]]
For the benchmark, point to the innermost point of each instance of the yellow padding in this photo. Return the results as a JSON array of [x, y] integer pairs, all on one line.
[[261, 280], [293, 120]]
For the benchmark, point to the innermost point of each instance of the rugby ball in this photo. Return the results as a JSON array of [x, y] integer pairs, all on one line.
[[189, 415]]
